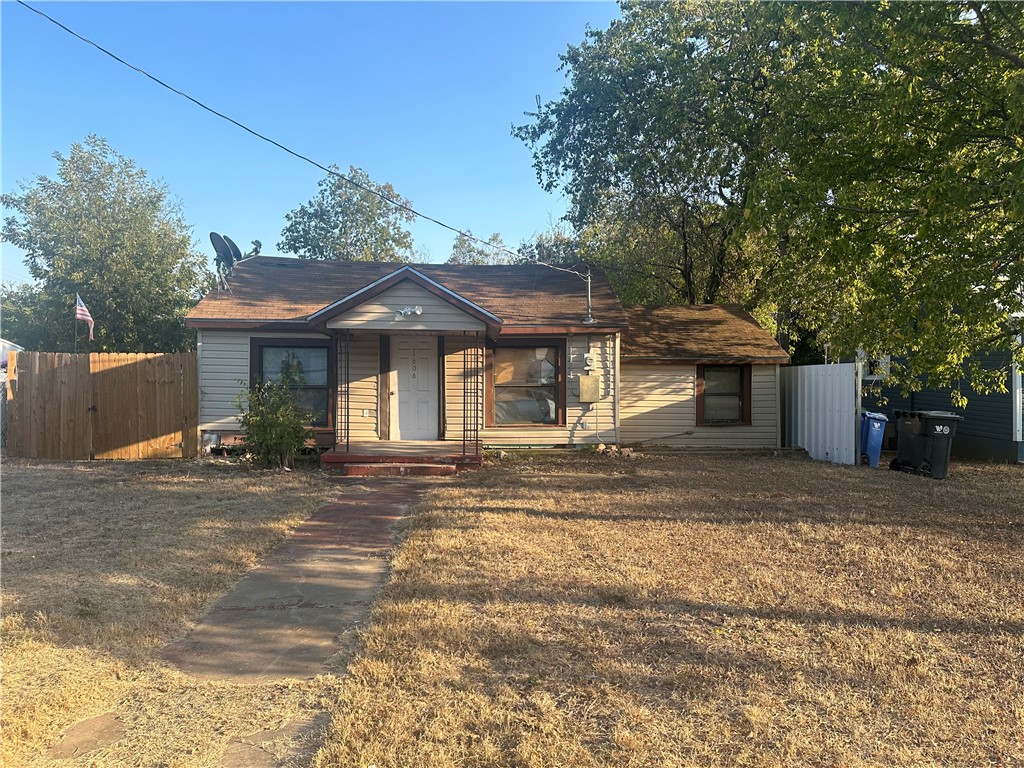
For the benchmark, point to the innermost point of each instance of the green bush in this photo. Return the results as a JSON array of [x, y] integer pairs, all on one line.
[[274, 424]]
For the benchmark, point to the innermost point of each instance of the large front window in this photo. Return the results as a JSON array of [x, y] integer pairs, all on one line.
[[526, 385], [306, 367]]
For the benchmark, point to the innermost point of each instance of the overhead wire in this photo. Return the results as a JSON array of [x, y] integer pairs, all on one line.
[[327, 169]]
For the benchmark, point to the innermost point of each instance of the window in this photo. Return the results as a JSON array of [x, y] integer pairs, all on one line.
[[308, 361], [526, 385], [874, 368], [723, 394]]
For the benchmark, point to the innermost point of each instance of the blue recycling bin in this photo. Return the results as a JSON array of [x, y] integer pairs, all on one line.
[[872, 430]]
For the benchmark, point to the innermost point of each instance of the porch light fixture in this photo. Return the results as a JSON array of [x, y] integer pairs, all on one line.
[[400, 313]]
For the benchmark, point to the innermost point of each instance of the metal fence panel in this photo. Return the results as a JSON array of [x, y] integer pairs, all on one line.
[[821, 411]]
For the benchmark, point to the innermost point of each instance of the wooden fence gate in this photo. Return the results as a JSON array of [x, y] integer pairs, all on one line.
[[102, 405]]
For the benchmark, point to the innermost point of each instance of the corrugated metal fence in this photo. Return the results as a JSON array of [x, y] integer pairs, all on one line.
[[102, 405], [821, 411]]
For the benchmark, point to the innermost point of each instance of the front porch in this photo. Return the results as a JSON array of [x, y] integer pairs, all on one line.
[[403, 457]]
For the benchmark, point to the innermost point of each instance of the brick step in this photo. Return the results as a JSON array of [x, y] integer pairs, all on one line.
[[385, 458], [398, 470]]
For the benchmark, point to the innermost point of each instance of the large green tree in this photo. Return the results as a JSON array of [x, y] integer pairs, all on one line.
[[859, 164], [350, 222], [468, 251], [101, 228], [898, 203], [648, 151]]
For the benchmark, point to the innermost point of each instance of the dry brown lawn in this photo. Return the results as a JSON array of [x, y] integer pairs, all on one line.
[[667, 611], [103, 564], [697, 610]]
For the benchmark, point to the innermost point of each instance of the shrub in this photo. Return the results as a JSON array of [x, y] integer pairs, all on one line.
[[274, 424]]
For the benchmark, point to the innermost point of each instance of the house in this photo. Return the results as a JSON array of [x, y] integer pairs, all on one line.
[[699, 376], [482, 356], [6, 347], [992, 426]]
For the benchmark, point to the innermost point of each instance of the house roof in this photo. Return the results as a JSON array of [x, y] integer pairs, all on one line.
[[282, 292], [7, 347], [700, 333]]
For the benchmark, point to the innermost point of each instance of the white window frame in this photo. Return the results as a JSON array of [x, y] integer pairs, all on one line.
[[884, 363]]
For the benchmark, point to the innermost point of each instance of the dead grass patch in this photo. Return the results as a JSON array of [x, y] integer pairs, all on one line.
[[103, 563], [697, 610]]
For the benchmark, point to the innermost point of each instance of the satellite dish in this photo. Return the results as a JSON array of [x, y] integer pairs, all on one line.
[[236, 254], [224, 256], [225, 260]]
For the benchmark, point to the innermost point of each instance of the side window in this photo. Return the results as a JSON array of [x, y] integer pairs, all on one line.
[[875, 368], [723, 394]]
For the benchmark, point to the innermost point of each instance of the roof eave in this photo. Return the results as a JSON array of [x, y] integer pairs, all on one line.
[[704, 360], [229, 323]]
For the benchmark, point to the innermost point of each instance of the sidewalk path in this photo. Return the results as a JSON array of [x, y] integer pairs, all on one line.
[[285, 619]]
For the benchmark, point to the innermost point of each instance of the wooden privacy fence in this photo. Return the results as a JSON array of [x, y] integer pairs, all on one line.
[[103, 405]]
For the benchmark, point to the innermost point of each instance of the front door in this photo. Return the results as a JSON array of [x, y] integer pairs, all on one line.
[[414, 361]]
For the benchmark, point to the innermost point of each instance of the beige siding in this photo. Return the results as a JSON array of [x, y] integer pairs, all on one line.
[[379, 313], [585, 422], [224, 373], [658, 407], [364, 362], [455, 380]]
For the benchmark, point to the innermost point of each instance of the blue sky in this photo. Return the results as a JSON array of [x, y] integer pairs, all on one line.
[[421, 95]]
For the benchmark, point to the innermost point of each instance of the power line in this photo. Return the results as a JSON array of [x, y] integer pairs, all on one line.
[[330, 171]]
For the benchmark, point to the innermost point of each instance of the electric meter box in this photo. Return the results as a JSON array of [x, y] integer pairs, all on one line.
[[590, 388]]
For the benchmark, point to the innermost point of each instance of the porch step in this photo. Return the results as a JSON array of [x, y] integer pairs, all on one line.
[[403, 469], [331, 457]]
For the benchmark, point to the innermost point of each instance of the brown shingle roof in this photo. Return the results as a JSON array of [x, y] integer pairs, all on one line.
[[702, 332], [274, 289]]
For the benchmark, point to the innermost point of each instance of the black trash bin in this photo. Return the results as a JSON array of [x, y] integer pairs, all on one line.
[[923, 442]]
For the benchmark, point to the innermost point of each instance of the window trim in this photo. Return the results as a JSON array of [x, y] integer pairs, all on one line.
[[745, 397], [560, 381], [256, 346], [883, 364]]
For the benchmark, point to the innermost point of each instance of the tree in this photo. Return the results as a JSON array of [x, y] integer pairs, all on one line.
[[557, 246], [102, 229], [467, 251], [345, 222], [646, 150], [899, 202], [855, 165]]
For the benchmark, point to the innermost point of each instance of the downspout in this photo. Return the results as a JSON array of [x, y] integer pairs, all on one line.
[[199, 390], [616, 390], [1017, 396]]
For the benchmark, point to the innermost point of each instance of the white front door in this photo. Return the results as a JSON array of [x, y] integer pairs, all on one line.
[[414, 361]]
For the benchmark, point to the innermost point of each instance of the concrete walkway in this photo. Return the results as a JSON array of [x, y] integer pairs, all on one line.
[[289, 616]]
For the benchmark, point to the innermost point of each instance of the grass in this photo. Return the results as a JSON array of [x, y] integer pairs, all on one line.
[[715, 610], [584, 611], [103, 564]]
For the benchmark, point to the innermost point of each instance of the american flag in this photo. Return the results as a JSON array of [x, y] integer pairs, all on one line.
[[82, 313]]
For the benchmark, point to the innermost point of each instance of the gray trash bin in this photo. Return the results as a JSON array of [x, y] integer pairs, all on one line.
[[923, 442]]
